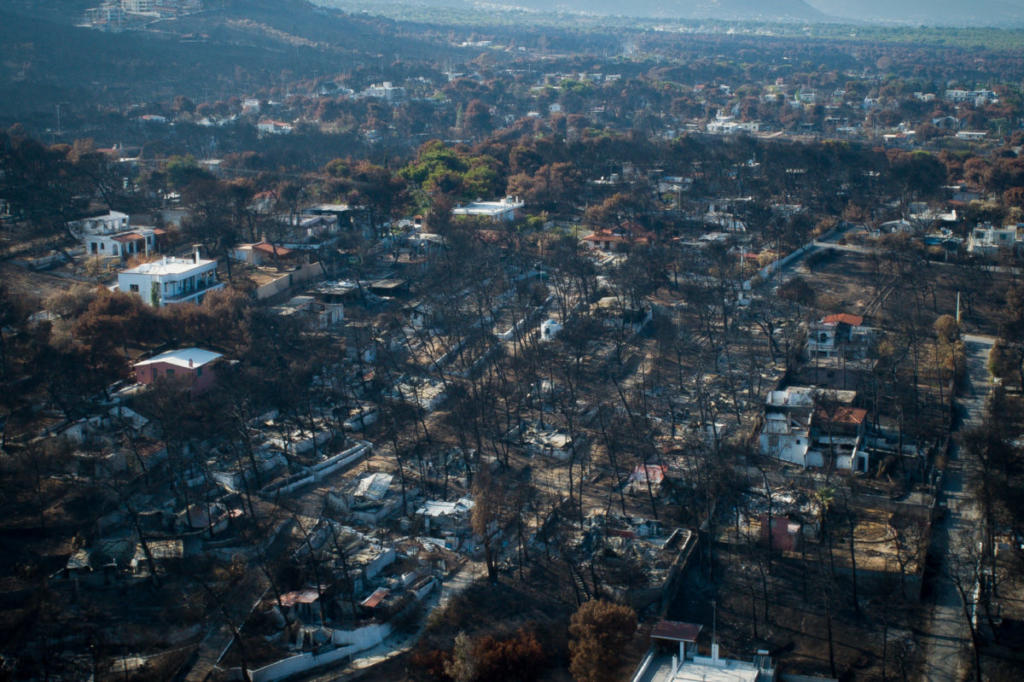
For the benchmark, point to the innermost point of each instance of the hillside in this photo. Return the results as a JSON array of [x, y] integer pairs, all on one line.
[[1001, 13], [46, 60]]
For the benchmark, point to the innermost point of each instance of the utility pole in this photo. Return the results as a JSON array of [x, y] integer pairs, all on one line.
[[714, 622]]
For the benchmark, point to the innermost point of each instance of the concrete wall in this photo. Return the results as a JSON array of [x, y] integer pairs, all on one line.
[[304, 273], [321, 469], [349, 642], [766, 272]]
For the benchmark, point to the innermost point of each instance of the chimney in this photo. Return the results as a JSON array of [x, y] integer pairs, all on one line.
[[191, 363], [195, 252]]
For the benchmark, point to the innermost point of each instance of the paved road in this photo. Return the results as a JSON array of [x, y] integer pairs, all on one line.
[[946, 642]]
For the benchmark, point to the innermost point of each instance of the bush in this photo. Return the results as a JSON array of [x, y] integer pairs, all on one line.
[[429, 664], [520, 657], [600, 630]]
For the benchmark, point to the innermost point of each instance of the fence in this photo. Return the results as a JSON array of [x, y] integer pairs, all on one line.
[[349, 641]]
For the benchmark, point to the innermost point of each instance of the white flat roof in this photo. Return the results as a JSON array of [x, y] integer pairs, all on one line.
[[183, 357], [436, 508], [168, 266], [723, 671], [488, 207], [116, 215], [330, 207]]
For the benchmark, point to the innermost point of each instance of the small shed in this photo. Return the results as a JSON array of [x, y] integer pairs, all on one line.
[[680, 632], [549, 329]]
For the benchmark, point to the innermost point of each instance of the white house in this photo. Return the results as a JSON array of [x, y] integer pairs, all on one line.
[[806, 426], [386, 91], [786, 433], [111, 235], [112, 222], [123, 245], [674, 657], [838, 335], [727, 125], [171, 280], [272, 127], [987, 240], [441, 515], [495, 211]]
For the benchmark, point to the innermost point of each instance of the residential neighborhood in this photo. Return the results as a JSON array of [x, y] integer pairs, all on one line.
[[371, 344]]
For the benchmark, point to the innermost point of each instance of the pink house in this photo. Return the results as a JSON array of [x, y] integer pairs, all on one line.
[[193, 367]]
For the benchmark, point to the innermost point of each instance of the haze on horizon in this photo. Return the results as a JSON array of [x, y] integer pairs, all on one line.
[[991, 13]]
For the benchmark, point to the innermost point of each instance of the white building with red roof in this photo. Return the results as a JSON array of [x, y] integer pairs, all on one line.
[[810, 427], [839, 335]]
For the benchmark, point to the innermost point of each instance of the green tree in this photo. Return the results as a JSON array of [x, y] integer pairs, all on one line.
[[182, 171]]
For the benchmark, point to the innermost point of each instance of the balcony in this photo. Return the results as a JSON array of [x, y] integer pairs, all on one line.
[[189, 293]]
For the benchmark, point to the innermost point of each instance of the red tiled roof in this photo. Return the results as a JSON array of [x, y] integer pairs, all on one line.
[[270, 249], [130, 237], [843, 414], [844, 318], [374, 600], [676, 631]]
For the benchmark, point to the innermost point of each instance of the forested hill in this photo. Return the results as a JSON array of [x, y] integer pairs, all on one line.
[[45, 59], [1001, 13]]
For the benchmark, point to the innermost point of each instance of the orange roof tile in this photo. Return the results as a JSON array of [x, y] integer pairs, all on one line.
[[375, 599], [843, 318], [676, 631], [844, 414], [270, 249]]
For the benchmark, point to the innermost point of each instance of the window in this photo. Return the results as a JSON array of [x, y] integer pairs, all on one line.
[[199, 372], [170, 372], [134, 288]]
